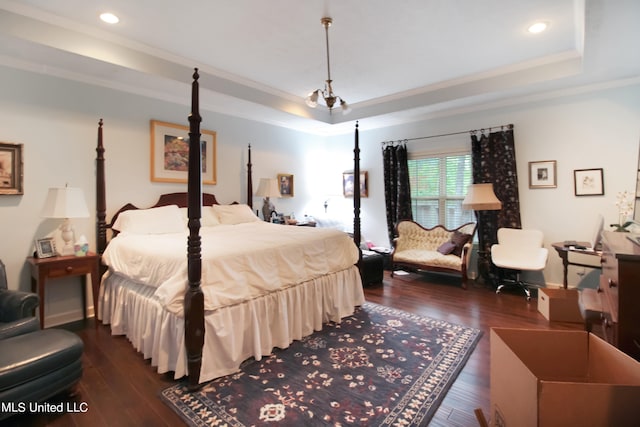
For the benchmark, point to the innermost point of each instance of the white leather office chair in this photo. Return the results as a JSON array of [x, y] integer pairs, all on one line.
[[519, 250]]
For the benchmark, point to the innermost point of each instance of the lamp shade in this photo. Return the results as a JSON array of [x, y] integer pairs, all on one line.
[[312, 99], [66, 202], [480, 197], [268, 187]]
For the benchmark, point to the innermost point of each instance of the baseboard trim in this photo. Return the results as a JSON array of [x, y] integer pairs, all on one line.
[[66, 317]]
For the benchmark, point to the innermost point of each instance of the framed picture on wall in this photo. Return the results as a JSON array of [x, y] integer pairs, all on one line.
[[285, 182], [170, 153], [348, 184], [588, 182], [11, 169], [542, 174]]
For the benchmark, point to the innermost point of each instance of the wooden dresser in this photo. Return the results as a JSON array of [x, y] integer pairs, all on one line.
[[620, 292]]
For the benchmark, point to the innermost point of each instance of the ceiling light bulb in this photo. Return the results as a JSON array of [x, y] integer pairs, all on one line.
[[109, 18], [538, 27]]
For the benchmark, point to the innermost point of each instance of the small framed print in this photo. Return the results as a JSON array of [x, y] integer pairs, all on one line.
[[11, 169], [285, 183], [588, 182], [170, 153], [542, 174], [348, 184], [45, 248]]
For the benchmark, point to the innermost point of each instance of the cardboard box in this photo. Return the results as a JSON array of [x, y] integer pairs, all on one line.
[[561, 378], [559, 305]]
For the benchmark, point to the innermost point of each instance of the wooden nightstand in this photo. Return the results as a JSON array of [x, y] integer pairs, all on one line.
[[302, 223], [65, 266]]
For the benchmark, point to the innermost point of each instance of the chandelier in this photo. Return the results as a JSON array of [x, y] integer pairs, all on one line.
[[327, 93]]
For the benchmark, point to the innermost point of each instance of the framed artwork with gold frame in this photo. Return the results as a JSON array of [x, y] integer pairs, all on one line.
[[285, 183], [170, 153], [347, 184], [11, 169]]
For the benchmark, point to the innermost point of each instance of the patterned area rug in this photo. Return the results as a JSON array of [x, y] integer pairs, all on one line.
[[381, 366]]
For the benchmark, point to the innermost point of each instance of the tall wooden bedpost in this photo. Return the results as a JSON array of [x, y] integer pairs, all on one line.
[[249, 181], [356, 191], [194, 298], [101, 199]]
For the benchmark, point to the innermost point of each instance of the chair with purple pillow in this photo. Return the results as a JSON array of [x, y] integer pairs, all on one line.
[[436, 249]]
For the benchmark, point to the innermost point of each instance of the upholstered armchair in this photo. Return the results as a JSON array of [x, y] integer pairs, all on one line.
[[16, 309], [34, 364]]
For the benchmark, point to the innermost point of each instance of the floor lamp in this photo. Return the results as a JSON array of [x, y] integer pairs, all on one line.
[[480, 197]]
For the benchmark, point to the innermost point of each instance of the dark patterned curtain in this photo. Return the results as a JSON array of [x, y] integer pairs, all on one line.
[[494, 161], [397, 191]]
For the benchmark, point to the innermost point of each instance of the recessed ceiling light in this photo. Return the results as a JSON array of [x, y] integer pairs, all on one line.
[[109, 18], [537, 27]]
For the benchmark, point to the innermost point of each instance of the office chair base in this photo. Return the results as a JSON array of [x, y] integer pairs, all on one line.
[[518, 283]]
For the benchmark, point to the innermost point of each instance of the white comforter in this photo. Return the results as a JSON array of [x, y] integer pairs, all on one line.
[[239, 262]]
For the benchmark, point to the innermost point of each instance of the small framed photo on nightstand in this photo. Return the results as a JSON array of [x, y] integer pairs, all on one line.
[[45, 248]]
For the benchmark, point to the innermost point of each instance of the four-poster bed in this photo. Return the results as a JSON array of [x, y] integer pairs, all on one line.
[[246, 287]]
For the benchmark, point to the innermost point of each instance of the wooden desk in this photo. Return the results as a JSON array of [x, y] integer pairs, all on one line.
[[563, 252], [65, 266]]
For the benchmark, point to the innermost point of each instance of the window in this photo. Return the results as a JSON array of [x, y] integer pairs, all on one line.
[[438, 186]]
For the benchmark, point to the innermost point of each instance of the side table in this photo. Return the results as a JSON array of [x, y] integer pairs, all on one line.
[[563, 252], [371, 268], [43, 269], [386, 256]]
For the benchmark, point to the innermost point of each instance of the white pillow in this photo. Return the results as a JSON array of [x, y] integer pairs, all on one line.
[[234, 214], [209, 218], [161, 220]]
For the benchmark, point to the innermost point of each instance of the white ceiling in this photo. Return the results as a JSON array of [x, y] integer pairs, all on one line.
[[392, 61]]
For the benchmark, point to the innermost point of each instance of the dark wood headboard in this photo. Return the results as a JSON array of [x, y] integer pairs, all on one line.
[[180, 199]]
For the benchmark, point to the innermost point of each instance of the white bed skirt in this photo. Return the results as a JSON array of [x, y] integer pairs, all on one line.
[[232, 334]]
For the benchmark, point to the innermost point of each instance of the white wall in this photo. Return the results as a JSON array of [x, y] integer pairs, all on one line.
[[56, 119], [596, 129]]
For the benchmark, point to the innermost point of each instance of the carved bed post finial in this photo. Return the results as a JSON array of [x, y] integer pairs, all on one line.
[[194, 298], [356, 190], [249, 181], [101, 199]]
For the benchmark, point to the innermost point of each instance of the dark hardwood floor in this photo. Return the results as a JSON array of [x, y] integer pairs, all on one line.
[[121, 389]]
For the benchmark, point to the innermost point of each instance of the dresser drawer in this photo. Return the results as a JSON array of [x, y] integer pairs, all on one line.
[[609, 325], [609, 331], [609, 266], [68, 268], [609, 292]]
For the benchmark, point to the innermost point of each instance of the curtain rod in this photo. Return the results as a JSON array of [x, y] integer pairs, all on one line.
[[471, 132]]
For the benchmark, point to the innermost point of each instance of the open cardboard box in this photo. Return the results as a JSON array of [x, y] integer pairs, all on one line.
[[559, 305], [561, 378]]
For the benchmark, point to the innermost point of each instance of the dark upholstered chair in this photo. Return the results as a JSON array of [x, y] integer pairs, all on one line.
[[34, 364], [16, 310]]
